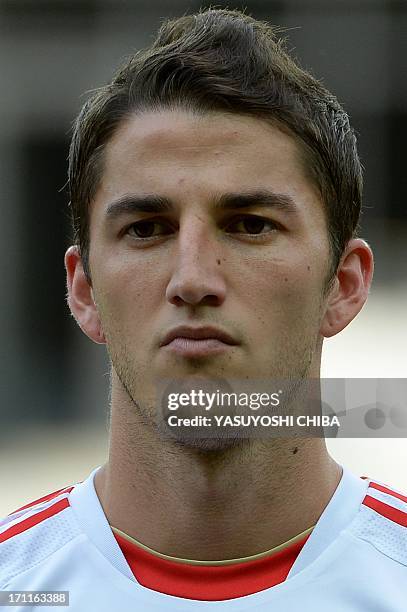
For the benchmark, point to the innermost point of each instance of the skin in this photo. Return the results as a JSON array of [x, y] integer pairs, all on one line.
[[204, 267]]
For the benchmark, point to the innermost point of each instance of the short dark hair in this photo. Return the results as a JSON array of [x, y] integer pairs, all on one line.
[[222, 60]]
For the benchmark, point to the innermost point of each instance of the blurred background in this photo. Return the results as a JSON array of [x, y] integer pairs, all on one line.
[[54, 381]]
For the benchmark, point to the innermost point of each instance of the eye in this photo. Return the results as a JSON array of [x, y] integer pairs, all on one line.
[[252, 224], [148, 229]]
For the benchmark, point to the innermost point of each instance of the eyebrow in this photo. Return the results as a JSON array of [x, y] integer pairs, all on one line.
[[228, 201], [262, 199], [135, 203]]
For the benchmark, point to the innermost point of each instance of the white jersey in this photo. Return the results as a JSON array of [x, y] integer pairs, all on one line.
[[355, 558]]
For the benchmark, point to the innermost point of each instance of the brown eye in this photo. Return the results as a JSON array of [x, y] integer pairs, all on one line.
[[252, 225], [148, 229], [144, 229]]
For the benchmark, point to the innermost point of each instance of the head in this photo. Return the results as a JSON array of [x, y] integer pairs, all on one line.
[[214, 182], [224, 61]]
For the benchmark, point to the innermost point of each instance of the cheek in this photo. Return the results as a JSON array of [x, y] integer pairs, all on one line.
[[282, 293], [127, 292]]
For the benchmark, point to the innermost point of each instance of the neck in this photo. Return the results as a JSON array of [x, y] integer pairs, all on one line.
[[211, 505]]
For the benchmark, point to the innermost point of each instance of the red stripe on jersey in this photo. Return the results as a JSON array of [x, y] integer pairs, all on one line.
[[34, 519], [394, 514], [43, 499], [384, 489]]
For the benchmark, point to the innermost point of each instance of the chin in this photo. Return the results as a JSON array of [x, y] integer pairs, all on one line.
[[213, 445]]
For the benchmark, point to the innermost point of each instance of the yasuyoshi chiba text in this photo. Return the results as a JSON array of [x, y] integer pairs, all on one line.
[[251, 420]]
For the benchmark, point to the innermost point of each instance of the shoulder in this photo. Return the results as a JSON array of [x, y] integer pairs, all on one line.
[[34, 532], [382, 520]]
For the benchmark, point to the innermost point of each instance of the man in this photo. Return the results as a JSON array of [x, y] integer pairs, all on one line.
[[215, 191]]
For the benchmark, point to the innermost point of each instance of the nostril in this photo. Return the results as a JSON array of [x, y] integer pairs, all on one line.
[[207, 300], [212, 300]]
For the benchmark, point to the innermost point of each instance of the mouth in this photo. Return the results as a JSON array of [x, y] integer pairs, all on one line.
[[198, 341]]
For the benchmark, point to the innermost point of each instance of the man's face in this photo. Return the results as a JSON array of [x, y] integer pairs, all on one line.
[[241, 245]]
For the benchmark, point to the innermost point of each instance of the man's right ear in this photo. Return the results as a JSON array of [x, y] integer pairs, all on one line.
[[80, 297]]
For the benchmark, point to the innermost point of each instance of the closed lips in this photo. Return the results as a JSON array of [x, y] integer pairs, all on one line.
[[198, 333]]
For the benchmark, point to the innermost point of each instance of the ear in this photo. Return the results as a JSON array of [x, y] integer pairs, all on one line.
[[350, 288], [80, 297]]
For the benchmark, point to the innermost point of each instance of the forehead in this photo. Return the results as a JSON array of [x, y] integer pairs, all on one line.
[[150, 137], [216, 151]]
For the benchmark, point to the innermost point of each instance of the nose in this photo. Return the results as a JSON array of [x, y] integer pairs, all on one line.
[[197, 276]]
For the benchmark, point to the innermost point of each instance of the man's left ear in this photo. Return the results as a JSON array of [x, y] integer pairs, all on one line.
[[350, 288]]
